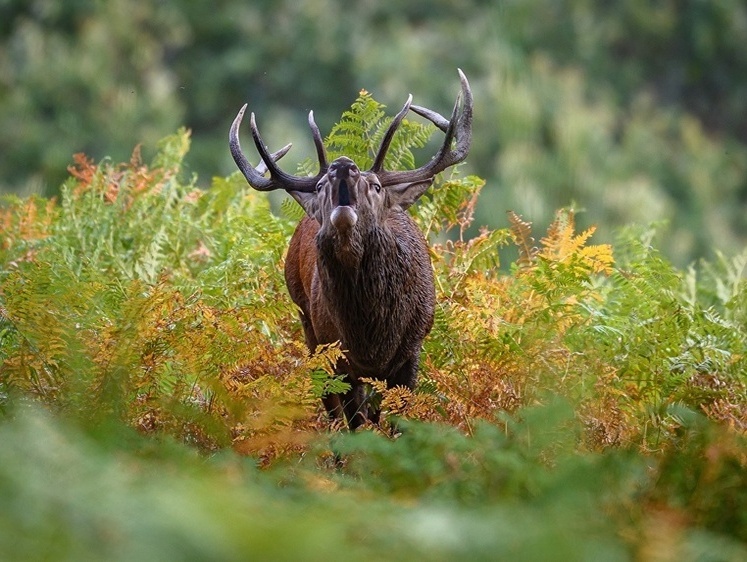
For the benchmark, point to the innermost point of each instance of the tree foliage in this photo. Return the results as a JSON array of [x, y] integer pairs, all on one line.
[[636, 109]]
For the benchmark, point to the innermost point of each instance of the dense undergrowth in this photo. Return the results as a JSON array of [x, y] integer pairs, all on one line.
[[582, 402]]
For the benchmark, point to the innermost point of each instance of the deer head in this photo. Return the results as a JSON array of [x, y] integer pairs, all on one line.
[[341, 193]]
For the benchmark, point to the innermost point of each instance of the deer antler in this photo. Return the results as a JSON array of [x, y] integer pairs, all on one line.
[[458, 130], [278, 179]]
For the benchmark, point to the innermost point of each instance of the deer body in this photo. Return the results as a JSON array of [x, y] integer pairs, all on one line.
[[357, 264], [379, 318]]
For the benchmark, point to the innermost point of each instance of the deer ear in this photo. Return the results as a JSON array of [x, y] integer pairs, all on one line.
[[405, 194]]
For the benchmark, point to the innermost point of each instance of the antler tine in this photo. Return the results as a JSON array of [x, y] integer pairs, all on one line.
[[458, 129], [464, 132], [436, 118], [255, 176], [277, 155], [378, 164], [321, 153], [446, 156]]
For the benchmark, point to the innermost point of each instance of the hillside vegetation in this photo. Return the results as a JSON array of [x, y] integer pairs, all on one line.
[[586, 402]]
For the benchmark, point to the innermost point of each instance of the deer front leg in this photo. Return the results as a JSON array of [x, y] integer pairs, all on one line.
[[354, 405], [333, 405], [352, 402]]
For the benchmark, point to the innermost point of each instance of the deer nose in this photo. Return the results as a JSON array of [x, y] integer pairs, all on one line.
[[343, 168]]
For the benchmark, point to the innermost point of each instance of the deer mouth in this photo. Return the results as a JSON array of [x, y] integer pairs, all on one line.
[[344, 216], [343, 194]]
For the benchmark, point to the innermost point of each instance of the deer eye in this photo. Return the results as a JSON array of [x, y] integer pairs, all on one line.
[[377, 187]]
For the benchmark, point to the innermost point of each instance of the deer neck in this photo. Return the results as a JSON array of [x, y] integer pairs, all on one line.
[[344, 258], [343, 249]]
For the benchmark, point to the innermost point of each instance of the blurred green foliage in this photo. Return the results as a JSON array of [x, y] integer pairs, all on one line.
[[67, 493], [636, 111]]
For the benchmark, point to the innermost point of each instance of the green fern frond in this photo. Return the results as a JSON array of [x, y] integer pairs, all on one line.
[[359, 133]]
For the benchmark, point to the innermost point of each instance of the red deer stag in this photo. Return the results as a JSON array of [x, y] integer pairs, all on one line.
[[357, 264]]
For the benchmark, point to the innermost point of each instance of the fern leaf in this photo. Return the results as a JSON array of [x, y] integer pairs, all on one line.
[[599, 257], [522, 232]]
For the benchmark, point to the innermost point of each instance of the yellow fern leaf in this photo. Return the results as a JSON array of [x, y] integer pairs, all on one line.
[[562, 245], [598, 257], [560, 242]]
